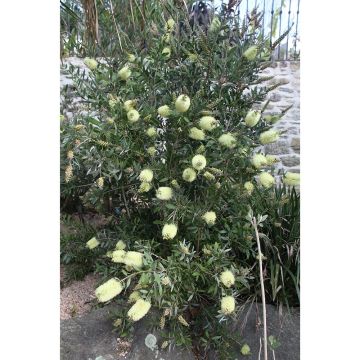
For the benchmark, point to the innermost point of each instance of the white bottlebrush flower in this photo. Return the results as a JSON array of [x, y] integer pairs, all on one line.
[[151, 132], [92, 243], [169, 231], [266, 180], [209, 176], [228, 140], [196, 134], [209, 217], [259, 160], [249, 187], [118, 256], [144, 187], [198, 162], [120, 245], [227, 278], [166, 52], [108, 290], [124, 73], [250, 53], [129, 105], [227, 305], [252, 118], [189, 175], [291, 179], [164, 111], [131, 57], [201, 149], [151, 151], [269, 136], [182, 103], [133, 116], [91, 63], [146, 175], [164, 193], [170, 25], [134, 259], [208, 123], [271, 159], [139, 309]]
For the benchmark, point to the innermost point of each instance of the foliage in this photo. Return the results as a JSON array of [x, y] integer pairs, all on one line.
[[182, 230]]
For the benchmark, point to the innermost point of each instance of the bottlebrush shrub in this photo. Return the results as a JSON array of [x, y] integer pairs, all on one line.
[[181, 206]]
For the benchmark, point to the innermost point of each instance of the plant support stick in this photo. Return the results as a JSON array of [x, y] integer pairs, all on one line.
[[262, 286]]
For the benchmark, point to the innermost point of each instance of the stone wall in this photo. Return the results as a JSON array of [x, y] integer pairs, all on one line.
[[288, 146], [286, 72]]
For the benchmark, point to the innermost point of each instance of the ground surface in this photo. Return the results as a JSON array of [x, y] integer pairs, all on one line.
[[91, 337]]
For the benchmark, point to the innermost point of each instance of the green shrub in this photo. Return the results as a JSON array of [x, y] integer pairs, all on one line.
[[181, 209]]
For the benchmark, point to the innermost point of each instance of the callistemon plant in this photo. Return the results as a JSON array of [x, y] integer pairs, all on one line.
[[172, 136]]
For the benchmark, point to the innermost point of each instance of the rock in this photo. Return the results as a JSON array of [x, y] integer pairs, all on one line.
[[285, 89], [278, 148], [295, 144], [88, 337], [285, 328], [275, 97], [290, 160]]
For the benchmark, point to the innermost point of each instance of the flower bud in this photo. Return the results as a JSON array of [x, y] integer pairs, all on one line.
[[166, 52]]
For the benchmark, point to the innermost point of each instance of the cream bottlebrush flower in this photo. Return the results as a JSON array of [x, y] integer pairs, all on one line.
[[110, 120], [70, 154], [271, 159], [266, 180], [108, 290], [196, 134], [175, 184], [227, 305], [129, 105], [164, 193], [169, 231], [252, 118], [292, 179], [151, 151], [209, 176], [183, 321], [144, 187], [249, 187], [146, 175], [206, 251], [120, 245], [100, 182], [259, 160], [139, 309], [166, 52], [189, 175], [164, 111], [91, 63], [92, 243], [151, 132], [201, 149], [167, 38], [209, 217], [133, 116], [208, 123], [245, 350], [68, 173], [182, 103], [165, 280], [198, 162], [134, 296], [228, 140], [215, 25], [118, 256], [184, 249], [124, 73], [113, 102], [250, 53], [131, 57], [218, 185], [79, 127], [269, 136], [134, 259], [170, 25], [227, 278]]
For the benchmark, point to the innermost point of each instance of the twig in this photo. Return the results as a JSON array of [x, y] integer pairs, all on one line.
[[116, 28], [262, 286]]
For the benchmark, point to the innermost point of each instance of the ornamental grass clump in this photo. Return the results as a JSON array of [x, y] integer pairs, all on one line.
[[181, 167]]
